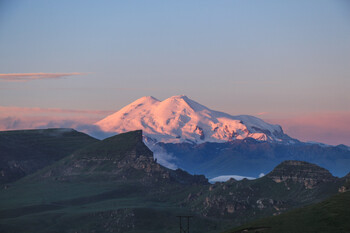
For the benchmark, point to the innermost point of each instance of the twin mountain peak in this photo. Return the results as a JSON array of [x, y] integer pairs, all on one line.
[[180, 119]]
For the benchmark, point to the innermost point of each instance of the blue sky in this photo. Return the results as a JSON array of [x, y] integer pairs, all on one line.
[[280, 58]]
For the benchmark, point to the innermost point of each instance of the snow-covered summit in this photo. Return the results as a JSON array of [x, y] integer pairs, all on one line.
[[180, 119]]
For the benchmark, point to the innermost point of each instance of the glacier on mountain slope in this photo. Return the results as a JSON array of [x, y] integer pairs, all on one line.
[[180, 119], [227, 177]]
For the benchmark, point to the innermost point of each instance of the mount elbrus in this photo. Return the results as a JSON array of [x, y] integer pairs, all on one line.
[[180, 119], [185, 134]]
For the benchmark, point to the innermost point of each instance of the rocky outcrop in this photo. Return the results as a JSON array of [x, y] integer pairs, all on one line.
[[301, 172], [346, 186]]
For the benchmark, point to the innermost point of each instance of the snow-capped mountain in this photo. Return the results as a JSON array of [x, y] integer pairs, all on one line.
[[180, 119]]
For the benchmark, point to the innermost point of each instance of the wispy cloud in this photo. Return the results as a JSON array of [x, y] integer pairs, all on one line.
[[24, 77], [262, 113], [162, 156]]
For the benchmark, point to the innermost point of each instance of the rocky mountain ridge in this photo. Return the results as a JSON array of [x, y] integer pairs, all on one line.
[[249, 157]]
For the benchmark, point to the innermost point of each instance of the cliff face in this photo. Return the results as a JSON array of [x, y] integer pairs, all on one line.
[[301, 172], [123, 157]]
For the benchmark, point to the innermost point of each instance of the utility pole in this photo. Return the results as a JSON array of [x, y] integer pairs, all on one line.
[[183, 227]]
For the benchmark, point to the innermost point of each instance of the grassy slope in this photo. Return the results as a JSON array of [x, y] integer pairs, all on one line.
[[49, 142], [25, 151], [332, 215], [85, 207]]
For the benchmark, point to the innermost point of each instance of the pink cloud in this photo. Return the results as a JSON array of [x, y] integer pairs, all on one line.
[[262, 113], [81, 124], [35, 122], [20, 111], [14, 118], [331, 127], [24, 77]]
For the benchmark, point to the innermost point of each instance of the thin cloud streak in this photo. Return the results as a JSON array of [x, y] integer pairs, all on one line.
[[24, 77], [262, 113]]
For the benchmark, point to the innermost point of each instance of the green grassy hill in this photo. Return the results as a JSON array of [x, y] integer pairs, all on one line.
[[25, 151], [329, 216]]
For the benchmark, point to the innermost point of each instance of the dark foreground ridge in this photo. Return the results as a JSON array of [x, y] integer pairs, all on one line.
[[115, 185]]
